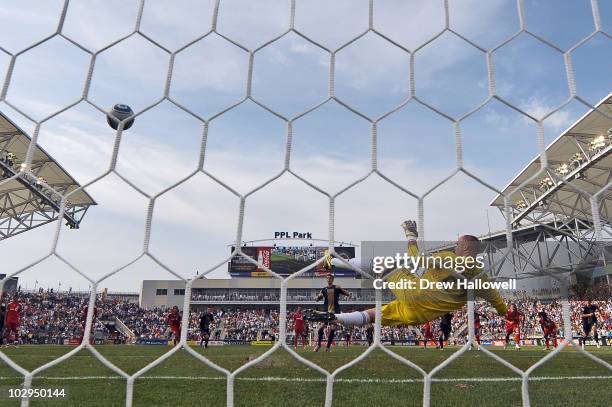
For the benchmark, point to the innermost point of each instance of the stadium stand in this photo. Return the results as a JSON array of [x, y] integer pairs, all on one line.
[[56, 318]]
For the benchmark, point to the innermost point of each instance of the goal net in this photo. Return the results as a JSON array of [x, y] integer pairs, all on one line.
[[378, 58]]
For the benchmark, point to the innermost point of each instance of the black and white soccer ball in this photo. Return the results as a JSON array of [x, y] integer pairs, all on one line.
[[119, 113]]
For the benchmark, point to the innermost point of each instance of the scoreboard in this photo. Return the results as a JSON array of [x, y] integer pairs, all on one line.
[[286, 260]]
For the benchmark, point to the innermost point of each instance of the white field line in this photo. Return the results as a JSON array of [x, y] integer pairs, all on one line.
[[322, 380]]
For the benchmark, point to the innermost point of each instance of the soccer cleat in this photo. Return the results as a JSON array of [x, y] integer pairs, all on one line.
[[316, 348], [318, 316], [410, 228], [598, 345], [517, 347]]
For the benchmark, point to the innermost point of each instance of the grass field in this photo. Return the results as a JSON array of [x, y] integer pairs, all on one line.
[[473, 379], [286, 264]]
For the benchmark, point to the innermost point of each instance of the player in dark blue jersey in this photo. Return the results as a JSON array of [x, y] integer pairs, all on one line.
[[330, 295], [589, 322], [206, 319], [445, 329]]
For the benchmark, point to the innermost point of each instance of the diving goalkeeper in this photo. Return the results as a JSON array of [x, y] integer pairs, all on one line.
[[417, 306]]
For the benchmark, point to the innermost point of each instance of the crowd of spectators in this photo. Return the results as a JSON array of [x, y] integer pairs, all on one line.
[[274, 295], [54, 317], [235, 296]]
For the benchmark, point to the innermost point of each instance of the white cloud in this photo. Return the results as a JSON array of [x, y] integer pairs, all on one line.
[[198, 219], [538, 108]]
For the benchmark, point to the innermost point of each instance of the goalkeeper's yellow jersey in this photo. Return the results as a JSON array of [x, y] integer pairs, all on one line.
[[417, 306]]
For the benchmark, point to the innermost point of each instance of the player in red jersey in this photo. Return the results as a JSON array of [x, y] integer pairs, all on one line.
[[548, 328], [12, 320], [427, 334], [298, 327], [513, 325], [2, 315], [174, 321], [477, 326]]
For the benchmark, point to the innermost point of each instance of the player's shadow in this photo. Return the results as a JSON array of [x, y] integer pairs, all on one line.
[[378, 380], [277, 379], [181, 379], [471, 379]]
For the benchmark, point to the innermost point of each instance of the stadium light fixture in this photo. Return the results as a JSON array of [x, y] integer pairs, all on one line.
[[546, 184], [576, 160], [563, 169], [521, 205], [597, 144]]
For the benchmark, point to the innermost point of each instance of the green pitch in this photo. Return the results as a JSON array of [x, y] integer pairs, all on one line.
[[473, 379], [285, 264]]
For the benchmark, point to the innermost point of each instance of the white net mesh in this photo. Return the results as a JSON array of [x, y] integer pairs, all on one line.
[[243, 42]]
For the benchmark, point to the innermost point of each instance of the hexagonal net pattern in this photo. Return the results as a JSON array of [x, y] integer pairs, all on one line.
[[291, 29]]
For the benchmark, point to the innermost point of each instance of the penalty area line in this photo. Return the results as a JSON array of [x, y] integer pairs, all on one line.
[[300, 379]]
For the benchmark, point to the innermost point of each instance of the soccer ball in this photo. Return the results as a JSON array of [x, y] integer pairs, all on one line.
[[119, 113]]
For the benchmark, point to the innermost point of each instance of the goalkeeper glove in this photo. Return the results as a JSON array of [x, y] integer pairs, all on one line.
[[410, 228]]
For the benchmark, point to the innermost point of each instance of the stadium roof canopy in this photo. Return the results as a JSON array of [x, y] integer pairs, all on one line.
[[33, 198], [579, 159]]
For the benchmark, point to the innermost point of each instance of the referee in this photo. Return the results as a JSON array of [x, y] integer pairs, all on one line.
[[205, 320]]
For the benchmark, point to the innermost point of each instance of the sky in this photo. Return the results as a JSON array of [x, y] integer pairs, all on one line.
[[195, 222]]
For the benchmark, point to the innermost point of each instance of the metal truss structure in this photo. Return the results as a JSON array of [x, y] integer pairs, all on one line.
[[552, 216], [551, 248], [32, 197], [579, 165]]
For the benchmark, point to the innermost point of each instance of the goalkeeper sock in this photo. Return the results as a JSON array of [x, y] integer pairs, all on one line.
[[596, 336], [358, 318]]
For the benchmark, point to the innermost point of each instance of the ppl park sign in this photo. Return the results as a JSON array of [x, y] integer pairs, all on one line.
[[292, 235]]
